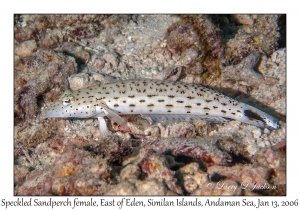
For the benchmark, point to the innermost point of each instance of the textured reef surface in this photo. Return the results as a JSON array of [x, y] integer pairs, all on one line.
[[242, 56]]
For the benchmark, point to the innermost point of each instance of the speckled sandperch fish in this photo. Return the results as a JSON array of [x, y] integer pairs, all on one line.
[[157, 100]]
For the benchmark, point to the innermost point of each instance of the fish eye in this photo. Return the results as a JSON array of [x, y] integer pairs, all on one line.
[[68, 100]]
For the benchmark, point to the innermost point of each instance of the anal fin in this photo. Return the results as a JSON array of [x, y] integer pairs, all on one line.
[[167, 118]]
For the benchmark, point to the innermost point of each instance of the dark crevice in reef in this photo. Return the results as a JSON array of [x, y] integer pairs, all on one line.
[[282, 31]]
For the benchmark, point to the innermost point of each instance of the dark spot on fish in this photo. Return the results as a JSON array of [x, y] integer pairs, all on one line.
[[87, 93], [99, 92], [188, 107], [142, 101], [87, 107], [188, 112], [132, 105], [151, 95], [171, 96], [116, 97], [198, 104], [150, 110], [253, 115], [233, 113], [190, 97], [131, 110], [179, 102], [199, 94], [131, 96], [169, 105], [107, 93], [124, 101], [116, 105], [161, 100], [90, 96], [206, 108], [169, 111], [215, 107], [239, 111], [83, 102], [206, 113], [150, 105], [223, 111], [208, 101]]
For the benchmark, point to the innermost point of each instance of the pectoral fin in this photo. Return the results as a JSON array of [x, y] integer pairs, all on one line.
[[113, 116]]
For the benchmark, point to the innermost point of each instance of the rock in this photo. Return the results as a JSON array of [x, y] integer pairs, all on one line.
[[112, 59], [26, 48], [79, 81], [244, 19]]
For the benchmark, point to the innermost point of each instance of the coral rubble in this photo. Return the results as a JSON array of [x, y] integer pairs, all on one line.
[[238, 55]]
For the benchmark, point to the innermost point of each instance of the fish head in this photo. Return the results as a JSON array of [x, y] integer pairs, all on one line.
[[71, 104]]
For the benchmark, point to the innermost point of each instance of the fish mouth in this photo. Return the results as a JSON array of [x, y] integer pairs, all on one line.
[[51, 113]]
